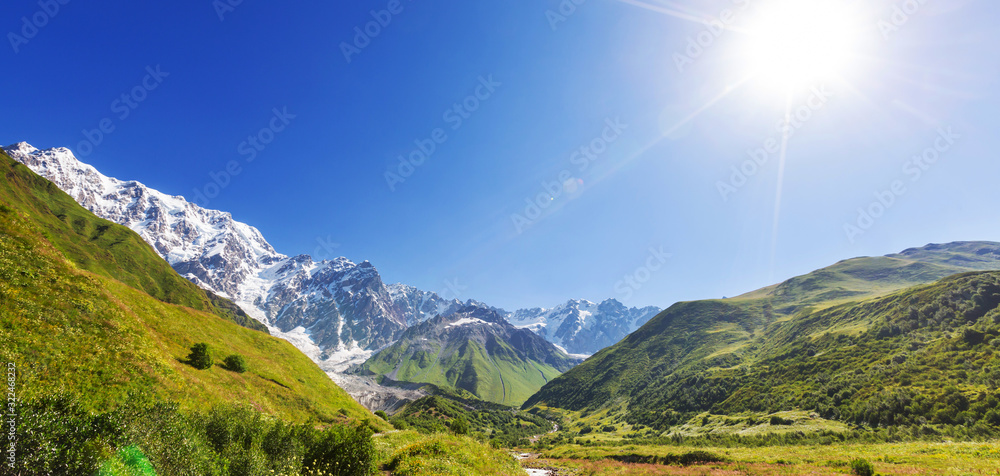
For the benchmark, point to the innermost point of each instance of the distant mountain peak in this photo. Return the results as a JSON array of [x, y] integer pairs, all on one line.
[[330, 307]]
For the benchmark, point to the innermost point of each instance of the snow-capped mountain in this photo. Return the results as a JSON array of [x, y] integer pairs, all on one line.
[[333, 310], [420, 306], [324, 307], [583, 327]]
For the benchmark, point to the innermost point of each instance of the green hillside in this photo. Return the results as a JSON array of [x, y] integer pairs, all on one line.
[[504, 426], [486, 356], [855, 342], [102, 247], [76, 319]]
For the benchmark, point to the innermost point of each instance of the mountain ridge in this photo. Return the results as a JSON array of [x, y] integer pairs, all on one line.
[[334, 310], [826, 341], [89, 311], [473, 349]]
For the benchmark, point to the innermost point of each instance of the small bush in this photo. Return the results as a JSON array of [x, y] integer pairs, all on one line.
[[199, 357], [236, 363], [381, 414], [861, 467], [459, 426], [777, 420], [400, 424]]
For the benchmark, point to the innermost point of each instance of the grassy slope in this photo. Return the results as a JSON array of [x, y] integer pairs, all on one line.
[[409, 453], [72, 328], [858, 362], [102, 247], [467, 366], [504, 425]]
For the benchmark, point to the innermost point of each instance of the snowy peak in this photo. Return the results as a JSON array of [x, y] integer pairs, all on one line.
[[418, 305], [206, 246], [583, 327], [327, 308], [338, 304]]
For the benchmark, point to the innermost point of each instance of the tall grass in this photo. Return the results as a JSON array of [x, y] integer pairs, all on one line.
[[64, 439]]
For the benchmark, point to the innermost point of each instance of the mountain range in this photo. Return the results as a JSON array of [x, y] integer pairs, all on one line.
[[476, 350], [904, 339], [335, 310], [88, 310]]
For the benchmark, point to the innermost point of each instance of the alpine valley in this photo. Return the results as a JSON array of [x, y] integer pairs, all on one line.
[[336, 311]]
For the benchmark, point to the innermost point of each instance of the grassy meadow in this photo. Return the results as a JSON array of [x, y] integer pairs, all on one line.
[[913, 458]]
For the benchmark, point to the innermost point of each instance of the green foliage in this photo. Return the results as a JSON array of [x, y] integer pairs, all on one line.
[[149, 439], [861, 467], [130, 461], [102, 247], [381, 414], [87, 308], [235, 363], [200, 358], [459, 426], [683, 459], [503, 426], [921, 359], [776, 420], [500, 370], [447, 455]]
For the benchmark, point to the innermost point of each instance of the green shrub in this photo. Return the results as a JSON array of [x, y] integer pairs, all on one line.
[[861, 467], [200, 357], [777, 420], [381, 414], [227, 441], [341, 450], [235, 363], [400, 424], [459, 426]]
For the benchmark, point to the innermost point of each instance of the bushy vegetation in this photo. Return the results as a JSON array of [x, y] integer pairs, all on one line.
[[235, 363], [200, 358], [861, 467], [921, 362], [226, 441], [442, 454], [503, 426]]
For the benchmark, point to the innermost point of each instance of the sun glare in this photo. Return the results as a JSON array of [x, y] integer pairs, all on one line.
[[797, 43]]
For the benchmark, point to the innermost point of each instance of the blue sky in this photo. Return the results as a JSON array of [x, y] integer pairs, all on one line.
[[648, 188]]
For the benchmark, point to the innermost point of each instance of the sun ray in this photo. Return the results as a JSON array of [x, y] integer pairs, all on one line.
[[704, 20], [780, 187], [711, 102]]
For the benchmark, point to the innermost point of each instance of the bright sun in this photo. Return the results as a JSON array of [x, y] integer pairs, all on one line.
[[793, 44]]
